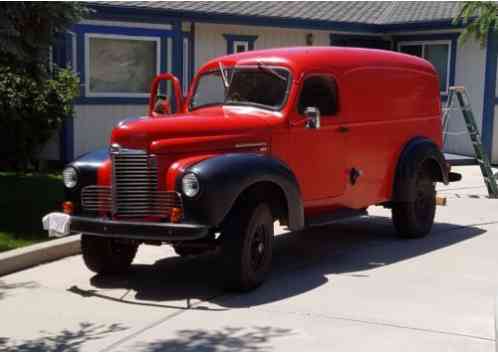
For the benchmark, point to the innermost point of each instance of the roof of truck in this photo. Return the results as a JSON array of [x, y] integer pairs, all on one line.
[[305, 58]]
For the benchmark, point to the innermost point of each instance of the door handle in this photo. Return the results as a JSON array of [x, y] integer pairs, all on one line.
[[343, 129]]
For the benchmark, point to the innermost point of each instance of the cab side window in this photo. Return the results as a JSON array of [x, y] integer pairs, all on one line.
[[319, 91]]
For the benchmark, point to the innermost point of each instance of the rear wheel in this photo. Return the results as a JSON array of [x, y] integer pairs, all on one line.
[[415, 219], [247, 246], [106, 255]]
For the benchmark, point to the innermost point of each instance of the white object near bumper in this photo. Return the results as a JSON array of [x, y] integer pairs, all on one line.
[[57, 224]]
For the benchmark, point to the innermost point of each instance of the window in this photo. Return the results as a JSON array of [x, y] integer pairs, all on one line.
[[240, 47], [210, 90], [262, 86], [321, 92], [438, 53], [119, 65], [237, 43]]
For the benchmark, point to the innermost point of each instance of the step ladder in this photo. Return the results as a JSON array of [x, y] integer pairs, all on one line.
[[481, 157]]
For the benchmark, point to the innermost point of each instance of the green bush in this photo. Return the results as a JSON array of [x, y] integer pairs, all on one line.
[[34, 99], [31, 111]]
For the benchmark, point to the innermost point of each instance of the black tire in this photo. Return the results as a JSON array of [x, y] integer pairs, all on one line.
[[106, 255], [415, 219], [247, 240]]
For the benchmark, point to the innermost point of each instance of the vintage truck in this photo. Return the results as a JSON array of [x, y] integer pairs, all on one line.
[[306, 136]]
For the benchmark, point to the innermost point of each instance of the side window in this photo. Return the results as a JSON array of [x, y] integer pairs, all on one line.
[[319, 91], [437, 53]]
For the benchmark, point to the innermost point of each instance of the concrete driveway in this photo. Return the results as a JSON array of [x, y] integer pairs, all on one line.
[[351, 286]]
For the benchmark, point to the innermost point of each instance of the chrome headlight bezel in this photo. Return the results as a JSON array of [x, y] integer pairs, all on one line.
[[70, 177], [191, 186]]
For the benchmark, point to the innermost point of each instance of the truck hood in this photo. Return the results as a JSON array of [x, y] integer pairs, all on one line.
[[204, 129]]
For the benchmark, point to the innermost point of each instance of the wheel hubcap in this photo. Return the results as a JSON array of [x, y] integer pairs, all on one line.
[[258, 248], [261, 248]]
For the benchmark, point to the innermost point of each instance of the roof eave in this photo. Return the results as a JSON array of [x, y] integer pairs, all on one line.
[[109, 12], [126, 13]]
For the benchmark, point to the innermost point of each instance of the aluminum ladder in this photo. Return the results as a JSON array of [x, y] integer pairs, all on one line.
[[470, 122]]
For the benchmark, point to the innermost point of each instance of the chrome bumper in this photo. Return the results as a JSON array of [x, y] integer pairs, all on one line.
[[137, 230]]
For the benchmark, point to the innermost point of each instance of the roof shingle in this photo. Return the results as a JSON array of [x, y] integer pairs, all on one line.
[[376, 12]]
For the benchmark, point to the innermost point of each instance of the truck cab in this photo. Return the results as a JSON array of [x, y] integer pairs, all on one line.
[[303, 136]]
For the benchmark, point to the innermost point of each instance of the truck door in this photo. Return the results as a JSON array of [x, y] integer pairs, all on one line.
[[318, 155]]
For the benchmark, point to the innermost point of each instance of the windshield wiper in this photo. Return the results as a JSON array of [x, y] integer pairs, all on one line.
[[262, 67], [224, 75]]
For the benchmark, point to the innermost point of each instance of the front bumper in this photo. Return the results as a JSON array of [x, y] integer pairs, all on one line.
[[137, 230]]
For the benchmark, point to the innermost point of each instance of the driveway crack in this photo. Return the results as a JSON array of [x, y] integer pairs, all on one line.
[[113, 346], [380, 323]]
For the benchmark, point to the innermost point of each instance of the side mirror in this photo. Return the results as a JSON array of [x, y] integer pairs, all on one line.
[[313, 116], [162, 106], [177, 90]]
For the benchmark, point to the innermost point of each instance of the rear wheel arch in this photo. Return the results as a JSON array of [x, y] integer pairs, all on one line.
[[418, 153], [434, 169]]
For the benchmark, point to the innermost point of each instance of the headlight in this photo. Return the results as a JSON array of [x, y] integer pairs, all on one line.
[[70, 176], [190, 185]]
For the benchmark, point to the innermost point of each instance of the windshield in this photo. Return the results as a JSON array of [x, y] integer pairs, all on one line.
[[261, 86]]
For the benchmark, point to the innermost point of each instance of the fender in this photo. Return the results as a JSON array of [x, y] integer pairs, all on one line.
[[87, 167], [223, 178], [416, 152]]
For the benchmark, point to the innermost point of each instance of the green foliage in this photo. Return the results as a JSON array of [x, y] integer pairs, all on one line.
[[34, 98], [31, 111], [478, 17], [27, 30]]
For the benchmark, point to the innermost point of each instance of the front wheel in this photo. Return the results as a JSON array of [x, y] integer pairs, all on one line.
[[247, 246], [105, 255], [415, 219]]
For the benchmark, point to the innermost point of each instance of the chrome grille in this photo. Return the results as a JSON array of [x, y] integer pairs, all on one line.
[[134, 175], [96, 198], [134, 192], [99, 199]]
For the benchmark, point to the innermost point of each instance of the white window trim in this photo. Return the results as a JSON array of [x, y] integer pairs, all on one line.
[[88, 36], [51, 58], [244, 43], [186, 66], [74, 54], [429, 42]]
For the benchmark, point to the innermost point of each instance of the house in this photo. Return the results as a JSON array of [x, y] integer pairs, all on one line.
[[122, 45]]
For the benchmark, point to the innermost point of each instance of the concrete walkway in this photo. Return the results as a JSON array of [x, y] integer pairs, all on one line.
[[351, 286]]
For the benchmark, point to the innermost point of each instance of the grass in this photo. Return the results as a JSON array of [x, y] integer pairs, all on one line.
[[24, 200]]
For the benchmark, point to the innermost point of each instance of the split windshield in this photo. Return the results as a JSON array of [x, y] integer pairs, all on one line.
[[261, 86]]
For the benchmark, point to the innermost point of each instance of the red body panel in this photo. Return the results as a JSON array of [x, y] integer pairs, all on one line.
[[385, 100]]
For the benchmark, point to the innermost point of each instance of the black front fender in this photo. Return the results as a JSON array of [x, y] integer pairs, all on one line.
[[223, 178], [87, 167]]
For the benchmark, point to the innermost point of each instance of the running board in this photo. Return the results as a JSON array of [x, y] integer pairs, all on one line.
[[337, 216]]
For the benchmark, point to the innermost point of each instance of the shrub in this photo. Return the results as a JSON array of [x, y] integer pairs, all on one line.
[[34, 99], [31, 110]]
